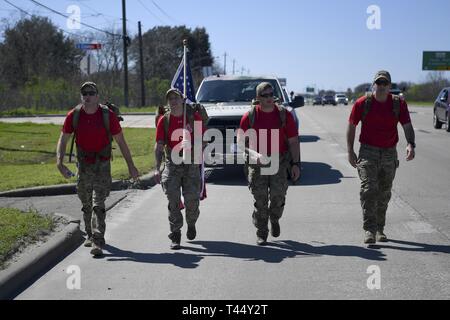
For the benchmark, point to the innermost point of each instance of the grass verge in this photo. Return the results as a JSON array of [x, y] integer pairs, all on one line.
[[18, 229]]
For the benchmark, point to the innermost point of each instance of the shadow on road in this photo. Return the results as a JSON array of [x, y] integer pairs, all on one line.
[[318, 173], [232, 175], [313, 173], [414, 247], [182, 260], [277, 251], [308, 138]]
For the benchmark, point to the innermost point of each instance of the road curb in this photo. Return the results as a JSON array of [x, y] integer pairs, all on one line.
[[33, 265], [146, 181]]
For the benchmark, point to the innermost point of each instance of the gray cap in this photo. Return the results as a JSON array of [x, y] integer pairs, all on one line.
[[261, 87], [89, 84], [382, 74]]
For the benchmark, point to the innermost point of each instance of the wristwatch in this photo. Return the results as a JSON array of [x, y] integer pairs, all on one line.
[[413, 144], [298, 164]]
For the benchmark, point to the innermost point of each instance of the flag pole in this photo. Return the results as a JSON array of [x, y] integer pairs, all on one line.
[[184, 95]]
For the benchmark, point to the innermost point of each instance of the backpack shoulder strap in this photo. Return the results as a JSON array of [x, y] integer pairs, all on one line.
[[367, 105], [105, 116], [166, 127], [282, 116], [75, 120], [190, 115], [396, 105], [252, 114], [76, 116]]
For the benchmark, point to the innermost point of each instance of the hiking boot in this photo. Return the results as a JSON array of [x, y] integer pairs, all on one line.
[[191, 232], [261, 241], [369, 237], [381, 237], [88, 242], [96, 251], [275, 229], [176, 239]]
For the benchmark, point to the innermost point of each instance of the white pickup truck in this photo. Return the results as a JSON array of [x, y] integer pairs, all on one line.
[[227, 98]]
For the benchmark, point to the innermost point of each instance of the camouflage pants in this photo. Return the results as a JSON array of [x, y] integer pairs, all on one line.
[[376, 169], [93, 187], [185, 177], [265, 188]]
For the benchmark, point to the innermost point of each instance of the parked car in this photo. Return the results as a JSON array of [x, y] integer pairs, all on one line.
[[341, 98], [441, 111], [228, 98], [328, 100]]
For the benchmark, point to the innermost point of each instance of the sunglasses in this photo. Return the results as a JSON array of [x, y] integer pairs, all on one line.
[[381, 82], [89, 93], [267, 95]]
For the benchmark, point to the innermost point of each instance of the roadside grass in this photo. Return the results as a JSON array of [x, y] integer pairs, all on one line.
[[18, 228], [26, 112], [28, 155]]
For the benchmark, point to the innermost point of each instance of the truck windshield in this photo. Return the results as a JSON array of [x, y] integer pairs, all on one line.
[[233, 90]]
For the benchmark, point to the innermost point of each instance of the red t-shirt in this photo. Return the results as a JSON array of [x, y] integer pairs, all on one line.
[[379, 128], [91, 133], [174, 124], [270, 121]]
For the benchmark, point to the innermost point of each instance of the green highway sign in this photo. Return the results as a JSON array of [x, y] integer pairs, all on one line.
[[436, 60]]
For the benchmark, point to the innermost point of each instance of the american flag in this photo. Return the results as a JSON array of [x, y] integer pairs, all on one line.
[[178, 81]]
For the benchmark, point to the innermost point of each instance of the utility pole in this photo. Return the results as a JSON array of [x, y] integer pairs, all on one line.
[[234, 64], [225, 63], [125, 53], [141, 57]]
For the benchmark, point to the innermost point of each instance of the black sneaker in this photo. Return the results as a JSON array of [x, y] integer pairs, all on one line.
[[176, 239], [191, 232], [275, 229]]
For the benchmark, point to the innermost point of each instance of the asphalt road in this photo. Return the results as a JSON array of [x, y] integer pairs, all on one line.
[[319, 255]]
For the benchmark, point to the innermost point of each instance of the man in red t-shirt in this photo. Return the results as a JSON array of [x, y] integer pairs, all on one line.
[[93, 141], [379, 112], [265, 118], [180, 176]]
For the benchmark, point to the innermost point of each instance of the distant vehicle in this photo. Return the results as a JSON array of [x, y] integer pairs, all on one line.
[[228, 98], [328, 100], [341, 98], [441, 111], [317, 100], [396, 90]]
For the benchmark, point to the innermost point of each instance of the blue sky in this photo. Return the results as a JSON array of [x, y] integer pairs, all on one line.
[[321, 43]]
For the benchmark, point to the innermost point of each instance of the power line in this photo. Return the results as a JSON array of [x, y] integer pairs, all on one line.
[[163, 11], [102, 14], [154, 15], [67, 17], [27, 13]]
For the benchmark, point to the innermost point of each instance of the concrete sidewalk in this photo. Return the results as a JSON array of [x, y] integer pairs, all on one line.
[[137, 120]]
